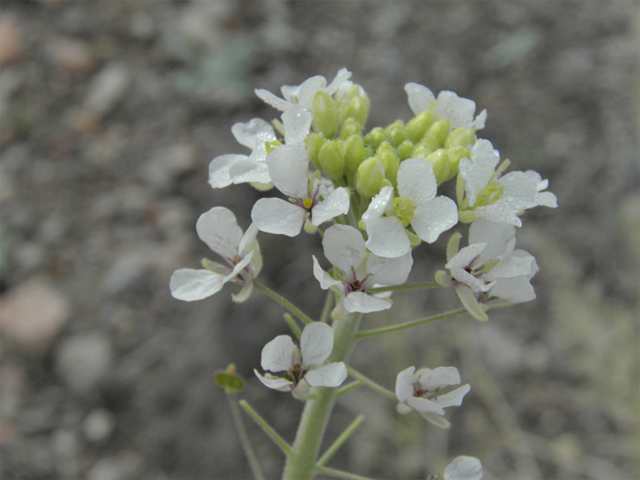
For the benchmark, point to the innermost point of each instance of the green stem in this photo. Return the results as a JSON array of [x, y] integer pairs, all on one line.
[[340, 440], [284, 302], [328, 306], [292, 324], [402, 326], [340, 474], [244, 438], [268, 429], [347, 388], [301, 462], [410, 286], [376, 387]]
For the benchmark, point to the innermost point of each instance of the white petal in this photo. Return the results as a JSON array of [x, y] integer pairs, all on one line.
[[453, 398], [387, 237], [404, 384], [270, 99], [219, 169], [331, 375], [289, 170], [547, 199], [219, 229], [389, 271], [326, 281], [416, 180], [341, 77], [336, 203], [477, 285], [440, 377], [423, 405], [278, 354], [364, 303], [245, 170], [247, 239], [519, 190], [344, 247], [516, 290], [468, 299], [316, 343], [420, 97], [189, 285], [494, 235], [463, 468], [273, 382], [254, 131], [512, 266], [273, 215], [465, 256], [477, 171], [378, 204], [309, 88], [459, 111], [297, 121], [434, 217]]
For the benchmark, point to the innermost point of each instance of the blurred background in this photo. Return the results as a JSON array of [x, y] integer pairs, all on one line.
[[110, 112]]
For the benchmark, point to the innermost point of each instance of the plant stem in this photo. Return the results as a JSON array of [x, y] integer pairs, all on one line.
[[284, 302], [332, 472], [402, 326], [376, 387], [347, 388], [301, 462], [328, 306], [410, 286], [292, 324], [268, 429], [244, 438], [340, 440]]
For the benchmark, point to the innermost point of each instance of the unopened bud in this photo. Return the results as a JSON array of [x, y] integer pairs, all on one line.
[[325, 114], [375, 137], [353, 153], [461, 137], [405, 150], [331, 160], [440, 161], [350, 127], [455, 155], [387, 154], [355, 105], [418, 125], [314, 142], [422, 151], [396, 133], [369, 177], [438, 133]]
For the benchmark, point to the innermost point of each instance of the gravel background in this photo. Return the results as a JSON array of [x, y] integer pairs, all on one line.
[[110, 112]]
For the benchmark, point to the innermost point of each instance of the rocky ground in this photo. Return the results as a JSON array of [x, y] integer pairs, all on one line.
[[110, 112]]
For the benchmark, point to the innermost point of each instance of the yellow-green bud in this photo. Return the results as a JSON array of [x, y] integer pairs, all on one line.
[[331, 160], [325, 114], [405, 150], [455, 155], [438, 133], [350, 127], [369, 177], [461, 137], [354, 153], [356, 108], [440, 161], [375, 137], [396, 133], [466, 216], [387, 154], [313, 143], [422, 151], [419, 124]]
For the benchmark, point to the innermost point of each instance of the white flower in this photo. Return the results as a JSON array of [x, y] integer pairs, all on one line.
[[459, 111], [257, 135], [420, 391], [345, 248], [490, 267], [462, 468], [289, 171], [304, 93], [303, 366], [417, 205], [500, 198], [219, 229]]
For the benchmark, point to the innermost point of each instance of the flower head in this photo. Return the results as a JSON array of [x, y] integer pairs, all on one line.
[[461, 468], [219, 229], [303, 366], [345, 248]]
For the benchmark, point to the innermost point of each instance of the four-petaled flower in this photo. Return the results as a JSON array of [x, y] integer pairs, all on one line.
[[303, 366], [417, 204], [420, 391], [345, 248], [461, 468], [219, 229]]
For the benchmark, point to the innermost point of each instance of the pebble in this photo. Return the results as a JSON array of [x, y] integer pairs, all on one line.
[[99, 425], [83, 360], [126, 464], [127, 270], [70, 54], [107, 88], [10, 39], [165, 166], [32, 315]]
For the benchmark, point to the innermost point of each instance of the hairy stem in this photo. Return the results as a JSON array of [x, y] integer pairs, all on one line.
[[244, 438], [283, 301]]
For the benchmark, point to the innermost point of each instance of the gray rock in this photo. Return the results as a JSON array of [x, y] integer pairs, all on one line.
[[99, 425], [165, 166], [83, 360], [107, 88]]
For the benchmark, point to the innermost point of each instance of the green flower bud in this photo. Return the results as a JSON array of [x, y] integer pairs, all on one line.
[[438, 133], [375, 137], [389, 158], [350, 127], [309, 227], [405, 150], [325, 114], [314, 142], [422, 151], [354, 153], [440, 161], [354, 105], [229, 380], [396, 133], [461, 137], [331, 160], [418, 125], [369, 177], [466, 216], [455, 155]]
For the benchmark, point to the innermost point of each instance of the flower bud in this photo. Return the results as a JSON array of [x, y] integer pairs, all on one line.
[[375, 137], [350, 127], [331, 160], [438, 133], [313, 143], [461, 137], [396, 133], [422, 151], [309, 227], [440, 161], [389, 158], [369, 177], [355, 104], [455, 155], [325, 114], [353, 153], [405, 150], [418, 125]]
